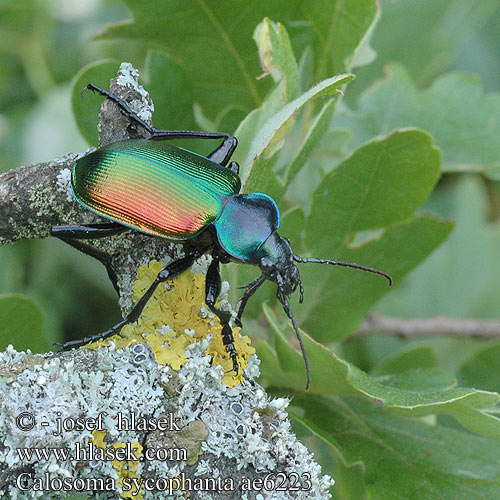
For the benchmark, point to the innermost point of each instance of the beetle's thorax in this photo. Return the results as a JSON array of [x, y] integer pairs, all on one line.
[[245, 223], [247, 231]]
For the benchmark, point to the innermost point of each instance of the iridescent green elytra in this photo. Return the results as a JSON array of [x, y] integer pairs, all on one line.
[[153, 187], [173, 193]]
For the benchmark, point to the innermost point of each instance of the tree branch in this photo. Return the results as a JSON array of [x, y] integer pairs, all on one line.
[[437, 326], [230, 435], [36, 197]]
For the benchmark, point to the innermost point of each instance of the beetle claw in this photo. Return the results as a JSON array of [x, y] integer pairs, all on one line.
[[85, 88], [60, 345]]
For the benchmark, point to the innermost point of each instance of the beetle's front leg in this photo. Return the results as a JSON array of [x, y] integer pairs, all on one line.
[[171, 270], [251, 288], [212, 291]]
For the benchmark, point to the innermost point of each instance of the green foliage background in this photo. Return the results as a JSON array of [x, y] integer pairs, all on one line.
[[399, 171]]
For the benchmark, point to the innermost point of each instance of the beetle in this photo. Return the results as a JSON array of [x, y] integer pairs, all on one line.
[[150, 186]]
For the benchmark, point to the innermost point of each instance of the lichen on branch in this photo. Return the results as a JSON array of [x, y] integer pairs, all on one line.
[[175, 317]]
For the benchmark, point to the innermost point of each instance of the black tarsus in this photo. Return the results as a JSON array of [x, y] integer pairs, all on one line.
[[301, 297], [220, 155], [313, 260]]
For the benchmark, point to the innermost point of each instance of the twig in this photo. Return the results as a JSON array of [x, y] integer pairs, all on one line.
[[437, 326]]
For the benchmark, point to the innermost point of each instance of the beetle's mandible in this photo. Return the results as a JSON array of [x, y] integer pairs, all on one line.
[[151, 186]]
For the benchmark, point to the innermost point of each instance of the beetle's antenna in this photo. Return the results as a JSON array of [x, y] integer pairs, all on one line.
[[286, 307], [296, 258], [301, 298]]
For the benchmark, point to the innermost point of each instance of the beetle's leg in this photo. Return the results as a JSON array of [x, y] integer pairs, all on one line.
[[72, 234], [171, 270], [212, 291], [250, 290], [88, 231], [221, 155], [235, 167], [103, 257]]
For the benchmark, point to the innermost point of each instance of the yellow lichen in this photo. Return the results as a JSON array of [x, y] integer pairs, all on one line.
[[124, 468], [99, 438], [128, 468], [178, 305]]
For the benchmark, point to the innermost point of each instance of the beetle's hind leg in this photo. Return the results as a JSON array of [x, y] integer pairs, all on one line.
[[220, 155], [88, 231], [171, 270], [212, 291]]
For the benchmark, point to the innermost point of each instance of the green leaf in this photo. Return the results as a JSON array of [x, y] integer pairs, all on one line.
[[338, 32], [292, 222], [337, 300], [382, 183], [420, 380], [403, 458], [257, 168], [86, 107], [463, 121], [254, 121], [21, 322], [275, 51], [461, 279], [171, 92], [212, 41], [431, 37], [481, 370], [316, 132], [429, 394], [379, 187], [410, 358]]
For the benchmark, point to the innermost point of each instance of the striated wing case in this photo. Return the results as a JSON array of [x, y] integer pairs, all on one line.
[[153, 187]]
